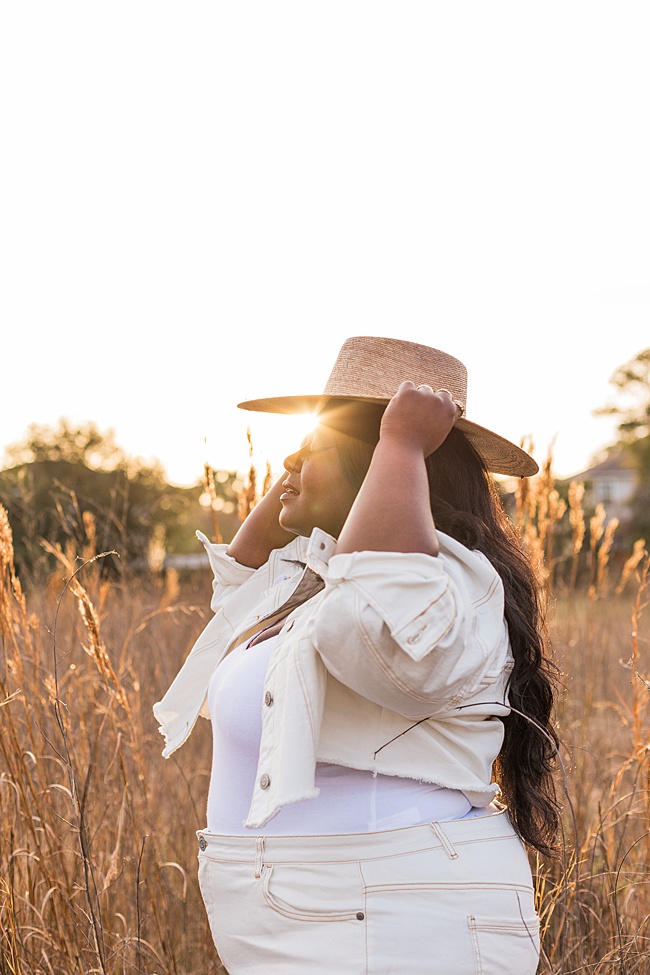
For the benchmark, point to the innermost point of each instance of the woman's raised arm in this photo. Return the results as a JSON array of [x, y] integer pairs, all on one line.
[[261, 532], [392, 511]]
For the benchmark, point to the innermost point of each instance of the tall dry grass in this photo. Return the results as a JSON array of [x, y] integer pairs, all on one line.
[[594, 901], [97, 849]]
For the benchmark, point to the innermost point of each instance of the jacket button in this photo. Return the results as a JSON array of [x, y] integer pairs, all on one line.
[[202, 842], [268, 699], [265, 781]]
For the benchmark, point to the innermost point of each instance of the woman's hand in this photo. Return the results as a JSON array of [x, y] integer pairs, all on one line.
[[261, 532], [419, 417]]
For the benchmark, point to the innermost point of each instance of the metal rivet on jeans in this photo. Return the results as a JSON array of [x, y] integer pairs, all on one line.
[[265, 781], [360, 916], [202, 842], [268, 699]]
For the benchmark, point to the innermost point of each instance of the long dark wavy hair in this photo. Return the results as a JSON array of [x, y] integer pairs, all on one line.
[[466, 505]]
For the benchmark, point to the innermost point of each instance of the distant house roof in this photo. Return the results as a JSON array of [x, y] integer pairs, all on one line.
[[611, 482], [618, 464]]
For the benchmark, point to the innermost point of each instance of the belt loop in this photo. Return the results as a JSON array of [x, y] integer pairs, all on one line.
[[259, 856], [444, 839]]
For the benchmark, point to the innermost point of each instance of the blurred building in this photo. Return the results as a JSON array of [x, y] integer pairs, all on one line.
[[611, 483]]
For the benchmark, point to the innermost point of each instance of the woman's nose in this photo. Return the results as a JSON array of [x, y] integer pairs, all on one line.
[[293, 462]]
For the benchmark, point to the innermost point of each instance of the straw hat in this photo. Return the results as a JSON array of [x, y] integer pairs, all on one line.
[[370, 369]]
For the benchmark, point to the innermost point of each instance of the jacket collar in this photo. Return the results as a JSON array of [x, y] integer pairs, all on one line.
[[315, 552]]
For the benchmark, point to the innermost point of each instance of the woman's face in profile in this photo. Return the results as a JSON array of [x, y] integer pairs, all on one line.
[[317, 491]]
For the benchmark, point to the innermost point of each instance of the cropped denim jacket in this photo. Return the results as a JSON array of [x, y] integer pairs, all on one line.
[[398, 665]]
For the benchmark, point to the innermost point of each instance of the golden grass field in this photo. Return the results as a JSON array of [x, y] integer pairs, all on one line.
[[97, 847]]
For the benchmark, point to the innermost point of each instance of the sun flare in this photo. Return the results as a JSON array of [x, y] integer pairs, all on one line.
[[274, 437]]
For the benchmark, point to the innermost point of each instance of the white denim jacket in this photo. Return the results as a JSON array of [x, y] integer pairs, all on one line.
[[399, 666]]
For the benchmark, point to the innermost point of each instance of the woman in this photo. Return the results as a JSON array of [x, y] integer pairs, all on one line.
[[375, 672]]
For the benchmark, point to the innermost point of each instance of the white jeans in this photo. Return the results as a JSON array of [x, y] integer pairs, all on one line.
[[452, 898]]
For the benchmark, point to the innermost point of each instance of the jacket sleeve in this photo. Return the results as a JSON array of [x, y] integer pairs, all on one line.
[[227, 573], [414, 633]]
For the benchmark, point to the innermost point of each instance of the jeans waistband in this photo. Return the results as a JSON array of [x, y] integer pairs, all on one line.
[[359, 846]]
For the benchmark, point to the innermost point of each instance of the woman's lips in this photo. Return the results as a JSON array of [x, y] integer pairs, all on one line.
[[289, 492]]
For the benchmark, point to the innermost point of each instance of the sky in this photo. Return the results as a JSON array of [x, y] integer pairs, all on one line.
[[201, 201]]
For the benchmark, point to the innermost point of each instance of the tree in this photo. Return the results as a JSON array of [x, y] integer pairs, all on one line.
[[632, 380], [84, 444]]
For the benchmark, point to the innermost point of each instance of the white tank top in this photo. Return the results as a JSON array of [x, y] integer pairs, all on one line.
[[350, 800]]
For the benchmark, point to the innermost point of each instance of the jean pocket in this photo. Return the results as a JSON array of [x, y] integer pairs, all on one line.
[[505, 947], [314, 892]]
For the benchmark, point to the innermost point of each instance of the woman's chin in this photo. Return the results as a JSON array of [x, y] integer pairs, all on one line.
[[291, 525]]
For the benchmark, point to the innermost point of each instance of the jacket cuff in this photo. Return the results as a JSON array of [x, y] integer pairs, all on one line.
[[227, 571]]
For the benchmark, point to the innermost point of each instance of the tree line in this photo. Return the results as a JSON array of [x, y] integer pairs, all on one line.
[[74, 487]]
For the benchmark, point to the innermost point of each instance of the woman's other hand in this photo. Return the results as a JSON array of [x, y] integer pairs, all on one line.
[[261, 532]]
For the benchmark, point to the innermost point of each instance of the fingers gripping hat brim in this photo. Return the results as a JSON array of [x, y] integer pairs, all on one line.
[[369, 369]]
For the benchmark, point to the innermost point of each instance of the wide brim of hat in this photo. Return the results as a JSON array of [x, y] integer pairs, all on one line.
[[499, 455]]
